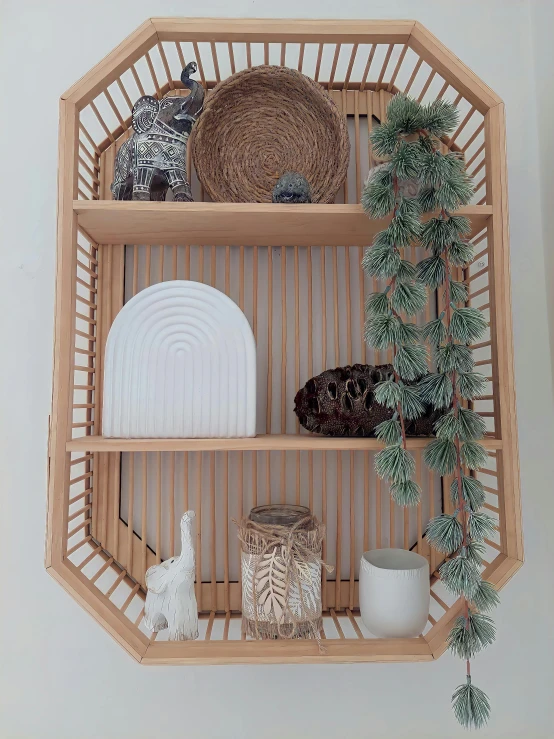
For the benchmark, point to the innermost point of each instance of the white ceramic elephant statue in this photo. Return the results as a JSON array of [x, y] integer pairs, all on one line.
[[171, 601]]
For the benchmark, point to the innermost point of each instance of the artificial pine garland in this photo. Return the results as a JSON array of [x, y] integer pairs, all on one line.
[[404, 141], [461, 534], [444, 186]]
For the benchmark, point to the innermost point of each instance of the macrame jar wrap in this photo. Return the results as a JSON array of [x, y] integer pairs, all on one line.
[[259, 124], [281, 577]]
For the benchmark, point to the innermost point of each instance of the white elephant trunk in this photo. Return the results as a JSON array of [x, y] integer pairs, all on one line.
[[171, 600]]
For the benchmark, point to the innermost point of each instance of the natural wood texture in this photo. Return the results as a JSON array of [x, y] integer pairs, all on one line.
[[306, 309], [282, 31], [250, 224], [263, 442]]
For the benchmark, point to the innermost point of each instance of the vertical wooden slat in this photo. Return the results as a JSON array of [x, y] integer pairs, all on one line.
[[426, 86], [248, 55], [144, 512], [216, 61], [231, 57], [213, 533], [318, 62], [397, 68], [350, 65], [352, 542], [172, 504], [130, 513], [199, 63], [338, 548], [158, 507], [166, 66], [283, 54], [198, 586], [378, 522], [324, 520], [266, 52], [180, 54], [225, 473], [269, 337], [323, 311], [384, 67], [367, 67], [334, 66], [301, 56], [366, 501], [153, 75]]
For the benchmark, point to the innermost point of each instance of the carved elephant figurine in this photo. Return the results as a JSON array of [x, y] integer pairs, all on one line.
[[154, 158], [171, 601]]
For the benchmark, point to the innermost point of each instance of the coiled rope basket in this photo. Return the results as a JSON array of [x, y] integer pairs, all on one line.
[[263, 122]]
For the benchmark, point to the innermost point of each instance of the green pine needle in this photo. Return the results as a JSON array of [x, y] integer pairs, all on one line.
[[377, 303], [410, 402], [437, 234], [389, 432], [485, 597], [436, 389], [381, 330], [388, 393], [445, 533], [410, 361], [471, 385], [405, 493], [428, 199], [395, 464], [440, 455], [384, 139], [460, 226], [475, 552], [450, 357], [460, 575], [439, 117], [458, 292], [381, 261], [409, 298], [472, 492], [454, 192], [448, 426], [406, 271], [471, 706], [481, 526], [460, 253], [435, 331], [472, 426], [404, 114], [469, 636], [467, 325], [406, 160], [474, 455], [432, 271], [407, 333]]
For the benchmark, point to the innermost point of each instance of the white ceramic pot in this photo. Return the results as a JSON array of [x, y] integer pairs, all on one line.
[[394, 592]]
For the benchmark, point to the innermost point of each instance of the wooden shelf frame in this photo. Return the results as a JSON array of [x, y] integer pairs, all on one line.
[[85, 528], [249, 224], [262, 442]]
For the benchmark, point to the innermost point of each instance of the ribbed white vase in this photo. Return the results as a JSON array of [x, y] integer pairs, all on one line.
[[394, 592]]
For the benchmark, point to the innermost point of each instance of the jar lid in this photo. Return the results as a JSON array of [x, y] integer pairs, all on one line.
[[280, 515]]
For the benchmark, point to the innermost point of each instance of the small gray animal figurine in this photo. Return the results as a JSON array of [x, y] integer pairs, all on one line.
[[154, 158], [292, 187]]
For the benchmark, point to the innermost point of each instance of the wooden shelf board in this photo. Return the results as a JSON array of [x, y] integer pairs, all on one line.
[[264, 442], [245, 224]]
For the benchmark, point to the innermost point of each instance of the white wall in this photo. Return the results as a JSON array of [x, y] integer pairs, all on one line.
[[61, 675]]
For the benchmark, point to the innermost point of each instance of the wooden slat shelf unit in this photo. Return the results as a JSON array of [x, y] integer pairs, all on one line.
[[250, 224], [114, 504]]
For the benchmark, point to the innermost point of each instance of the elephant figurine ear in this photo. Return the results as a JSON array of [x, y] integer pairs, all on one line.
[[158, 576], [145, 111]]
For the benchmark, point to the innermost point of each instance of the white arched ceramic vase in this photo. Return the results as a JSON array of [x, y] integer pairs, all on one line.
[[394, 592], [180, 362]]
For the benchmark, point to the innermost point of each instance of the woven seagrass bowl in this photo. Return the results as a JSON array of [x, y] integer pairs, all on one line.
[[263, 122]]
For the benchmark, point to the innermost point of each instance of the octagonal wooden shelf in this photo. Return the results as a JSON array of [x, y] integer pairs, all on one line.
[[114, 504]]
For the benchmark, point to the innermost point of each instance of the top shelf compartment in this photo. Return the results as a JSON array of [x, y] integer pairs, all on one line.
[[244, 224]]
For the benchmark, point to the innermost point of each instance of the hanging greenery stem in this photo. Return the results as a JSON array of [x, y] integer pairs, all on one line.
[[459, 535], [407, 141]]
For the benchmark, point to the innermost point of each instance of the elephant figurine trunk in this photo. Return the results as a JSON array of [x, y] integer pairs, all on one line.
[[171, 600]]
